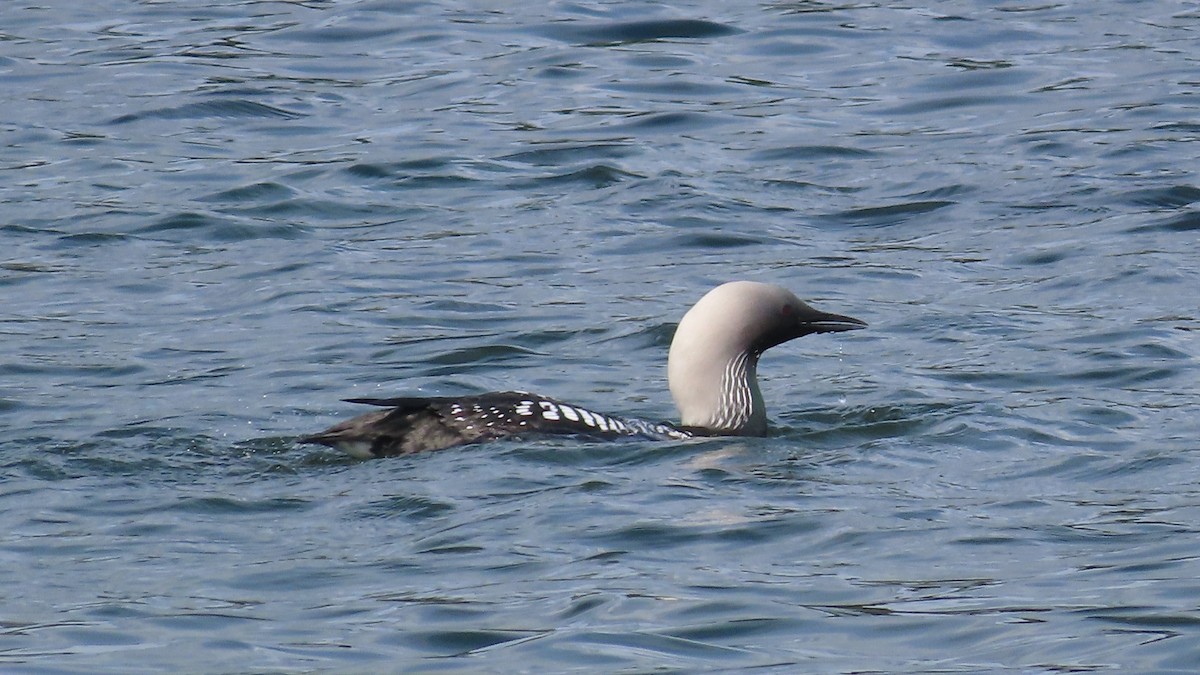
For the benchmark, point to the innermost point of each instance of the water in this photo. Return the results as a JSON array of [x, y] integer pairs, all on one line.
[[218, 220]]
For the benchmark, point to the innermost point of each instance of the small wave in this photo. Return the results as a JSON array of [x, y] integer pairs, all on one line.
[[891, 214], [1174, 196], [1184, 222], [251, 193], [670, 121], [212, 228], [597, 176], [800, 152], [399, 169], [640, 31], [557, 156], [474, 357], [409, 507], [714, 240], [232, 108]]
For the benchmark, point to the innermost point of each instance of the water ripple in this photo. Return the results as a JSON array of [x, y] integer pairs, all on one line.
[[891, 214], [221, 219], [633, 32], [223, 109]]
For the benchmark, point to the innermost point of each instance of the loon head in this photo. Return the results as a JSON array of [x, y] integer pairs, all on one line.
[[712, 367]]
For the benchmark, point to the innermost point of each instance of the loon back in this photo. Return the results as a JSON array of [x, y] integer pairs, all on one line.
[[712, 372], [435, 423]]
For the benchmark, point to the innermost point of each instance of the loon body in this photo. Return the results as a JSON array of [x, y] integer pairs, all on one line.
[[711, 369]]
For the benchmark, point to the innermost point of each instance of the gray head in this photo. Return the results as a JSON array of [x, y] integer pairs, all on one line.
[[712, 368]]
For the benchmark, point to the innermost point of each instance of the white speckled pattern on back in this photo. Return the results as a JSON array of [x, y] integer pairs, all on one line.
[[517, 412]]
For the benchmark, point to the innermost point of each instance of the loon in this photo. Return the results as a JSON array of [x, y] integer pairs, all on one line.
[[711, 370]]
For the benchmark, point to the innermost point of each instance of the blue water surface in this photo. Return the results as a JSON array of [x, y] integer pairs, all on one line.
[[217, 219]]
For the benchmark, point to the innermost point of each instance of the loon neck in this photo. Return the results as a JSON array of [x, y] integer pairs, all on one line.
[[722, 397]]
